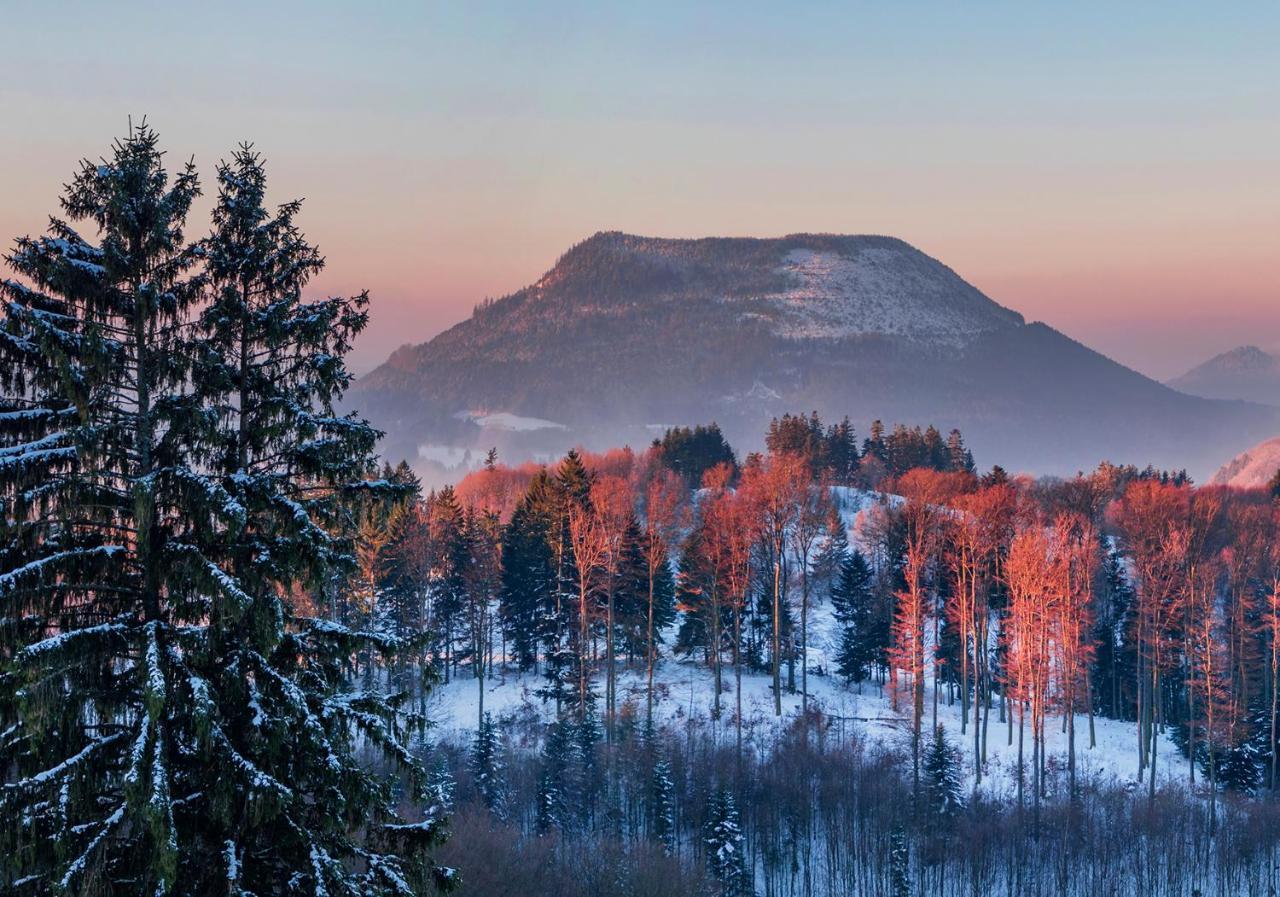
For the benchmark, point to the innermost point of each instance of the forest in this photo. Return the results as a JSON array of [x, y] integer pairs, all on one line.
[[1125, 594], [223, 618]]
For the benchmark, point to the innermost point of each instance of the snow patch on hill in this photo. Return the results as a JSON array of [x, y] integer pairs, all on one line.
[[881, 290], [508, 422], [1252, 468]]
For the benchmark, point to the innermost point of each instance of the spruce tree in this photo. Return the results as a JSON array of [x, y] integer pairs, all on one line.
[[959, 458], [441, 785], [726, 847], [943, 786], [526, 582], [174, 724], [662, 824], [486, 765], [270, 365], [853, 601], [102, 510], [832, 554], [554, 793], [899, 863]]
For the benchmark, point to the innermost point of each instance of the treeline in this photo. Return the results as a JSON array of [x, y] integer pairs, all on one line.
[[832, 450]]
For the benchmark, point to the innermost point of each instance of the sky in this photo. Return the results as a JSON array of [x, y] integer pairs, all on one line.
[[1111, 169]]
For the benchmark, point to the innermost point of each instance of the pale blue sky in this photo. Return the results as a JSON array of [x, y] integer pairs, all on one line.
[[1114, 171]]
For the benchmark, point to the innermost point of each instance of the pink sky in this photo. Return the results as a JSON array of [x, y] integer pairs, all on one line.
[[1111, 173]]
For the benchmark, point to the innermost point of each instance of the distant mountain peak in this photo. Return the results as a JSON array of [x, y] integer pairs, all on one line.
[[1241, 358], [1245, 372]]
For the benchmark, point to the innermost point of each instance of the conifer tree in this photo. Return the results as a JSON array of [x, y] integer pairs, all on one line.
[[441, 785], [173, 723], [554, 796], [832, 554], [662, 825], [862, 644], [486, 765], [270, 364], [958, 457], [899, 864], [527, 579], [726, 847], [943, 787]]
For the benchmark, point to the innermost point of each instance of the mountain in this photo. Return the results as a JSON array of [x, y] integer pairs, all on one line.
[[1251, 468], [626, 335], [1246, 373]]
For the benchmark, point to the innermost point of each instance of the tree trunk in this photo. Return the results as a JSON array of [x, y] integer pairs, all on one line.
[[777, 631], [648, 715]]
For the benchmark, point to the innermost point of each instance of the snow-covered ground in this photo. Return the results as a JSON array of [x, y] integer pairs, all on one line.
[[684, 697]]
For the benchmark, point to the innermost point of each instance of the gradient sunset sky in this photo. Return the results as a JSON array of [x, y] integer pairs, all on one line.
[[1112, 169]]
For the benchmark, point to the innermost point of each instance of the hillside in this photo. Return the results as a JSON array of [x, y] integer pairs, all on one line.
[[625, 335], [1252, 468], [1246, 372]]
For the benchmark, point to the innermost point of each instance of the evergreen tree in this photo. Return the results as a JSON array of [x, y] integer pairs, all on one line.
[[588, 734], [555, 796], [936, 455], [486, 765], [1239, 766], [958, 457], [178, 723], [692, 452], [632, 593], [874, 445], [853, 600], [944, 789], [574, 479], [899, 864], [441, 785], [662, 820], [726, 847], [451, 545], [695, 590], [998, 476], [528, 573], [842, 452]]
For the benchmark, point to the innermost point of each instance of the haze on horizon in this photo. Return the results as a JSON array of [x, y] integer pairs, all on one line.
[[1108, 170]]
